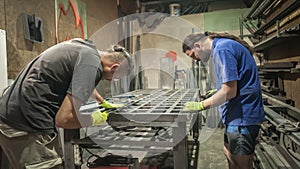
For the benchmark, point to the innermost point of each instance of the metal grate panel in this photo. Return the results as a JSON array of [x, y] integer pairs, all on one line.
[[152, 121]]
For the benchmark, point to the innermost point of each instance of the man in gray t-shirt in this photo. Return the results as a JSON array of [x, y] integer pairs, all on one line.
[[48, 94]]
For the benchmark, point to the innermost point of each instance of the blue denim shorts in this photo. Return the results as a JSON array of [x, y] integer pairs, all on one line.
[[241, 140]]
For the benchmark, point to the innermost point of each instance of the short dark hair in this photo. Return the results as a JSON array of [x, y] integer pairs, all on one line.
[[119, 53]]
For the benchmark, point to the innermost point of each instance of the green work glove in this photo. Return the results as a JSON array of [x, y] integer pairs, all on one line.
[[194, 106], [98, 118], [210, 93], [106, 104]]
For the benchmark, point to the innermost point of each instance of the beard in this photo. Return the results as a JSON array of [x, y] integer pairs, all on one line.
[[204, 55]]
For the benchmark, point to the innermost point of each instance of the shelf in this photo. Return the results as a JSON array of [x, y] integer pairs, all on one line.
[[272, 41], [292, 5], [288, 67]]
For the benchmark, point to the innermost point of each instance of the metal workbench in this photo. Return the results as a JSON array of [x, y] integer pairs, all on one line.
[[152, 121]]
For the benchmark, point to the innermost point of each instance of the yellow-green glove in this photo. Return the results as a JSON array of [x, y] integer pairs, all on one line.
[[98, 118], [193, 106], [106, 104], [210, 93]]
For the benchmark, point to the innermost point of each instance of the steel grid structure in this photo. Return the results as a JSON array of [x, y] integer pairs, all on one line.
[[153, 121]]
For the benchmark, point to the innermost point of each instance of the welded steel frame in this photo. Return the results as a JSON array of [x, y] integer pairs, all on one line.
[[157, 108]]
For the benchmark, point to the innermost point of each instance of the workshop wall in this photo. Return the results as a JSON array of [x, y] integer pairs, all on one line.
[[21, 51], [99, 14], [218, 21]]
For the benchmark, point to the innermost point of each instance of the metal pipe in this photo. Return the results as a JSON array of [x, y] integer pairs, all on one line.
[[253, 8], [261, 9], [274, 101], [292, 5]]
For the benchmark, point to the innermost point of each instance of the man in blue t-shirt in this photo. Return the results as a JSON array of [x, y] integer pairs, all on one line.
[[238, 95]]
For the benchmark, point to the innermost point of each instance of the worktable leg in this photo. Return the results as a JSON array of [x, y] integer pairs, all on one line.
[[3, 160], [180, 153], [70, 134], [196, 126]]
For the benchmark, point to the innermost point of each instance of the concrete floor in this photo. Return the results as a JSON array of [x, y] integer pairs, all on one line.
[[211, 150]]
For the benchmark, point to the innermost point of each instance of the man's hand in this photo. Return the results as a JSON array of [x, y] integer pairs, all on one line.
[[106, 104], [194, 106], [98, 118], [210, 93]]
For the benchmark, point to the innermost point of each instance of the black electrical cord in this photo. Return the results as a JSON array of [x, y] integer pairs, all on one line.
[[92, 154], [288, 150], [286, 128], [91, 163]]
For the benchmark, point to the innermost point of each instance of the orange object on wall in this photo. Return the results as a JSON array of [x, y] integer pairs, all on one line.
[[172, 55]]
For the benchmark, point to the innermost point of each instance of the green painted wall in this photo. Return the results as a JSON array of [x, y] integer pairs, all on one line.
[[223, 20]]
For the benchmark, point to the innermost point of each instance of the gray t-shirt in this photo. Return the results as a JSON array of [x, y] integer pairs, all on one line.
[[33, 100]]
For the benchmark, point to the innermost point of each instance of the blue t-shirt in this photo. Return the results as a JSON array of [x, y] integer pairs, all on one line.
[[232, 61]]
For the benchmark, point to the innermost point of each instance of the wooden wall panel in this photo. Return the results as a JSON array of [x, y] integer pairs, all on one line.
[[21, 51], [292, 85], [288, 51]]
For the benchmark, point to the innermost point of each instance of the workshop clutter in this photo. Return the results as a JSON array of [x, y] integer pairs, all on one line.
[[111, 161], [175, 9]]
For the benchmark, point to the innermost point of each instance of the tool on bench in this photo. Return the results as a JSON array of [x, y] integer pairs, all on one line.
[[92, 106], [209, 93], [99, 112]]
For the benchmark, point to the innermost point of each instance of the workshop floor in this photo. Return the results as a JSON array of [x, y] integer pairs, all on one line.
[[210, 153]]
